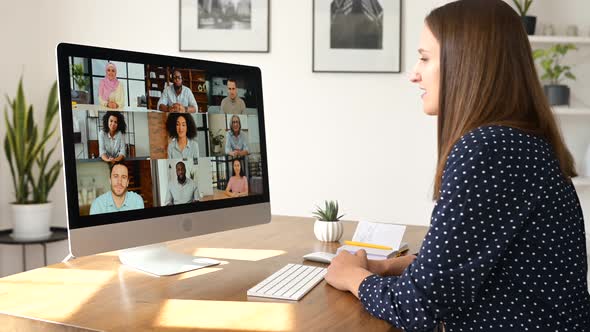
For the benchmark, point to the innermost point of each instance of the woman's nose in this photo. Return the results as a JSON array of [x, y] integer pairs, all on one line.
[[415, 77]]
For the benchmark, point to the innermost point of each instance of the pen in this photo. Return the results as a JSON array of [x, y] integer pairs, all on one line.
[[367, 245]]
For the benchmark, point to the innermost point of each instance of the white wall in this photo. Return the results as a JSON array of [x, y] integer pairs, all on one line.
[[358, 138]]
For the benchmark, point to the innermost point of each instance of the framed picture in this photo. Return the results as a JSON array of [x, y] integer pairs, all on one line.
[[356, 36], [224, 25]]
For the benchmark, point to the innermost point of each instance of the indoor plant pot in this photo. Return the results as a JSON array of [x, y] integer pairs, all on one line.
[[31, 221], [327, 227], [529, 23], [557, 94], [328, 231], [80, 95], [554, 72], [32, 175]]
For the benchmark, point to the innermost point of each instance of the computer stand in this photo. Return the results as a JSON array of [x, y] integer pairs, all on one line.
[[158, 259]]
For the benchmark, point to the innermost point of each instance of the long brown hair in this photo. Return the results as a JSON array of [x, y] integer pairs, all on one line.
[[488, 77]]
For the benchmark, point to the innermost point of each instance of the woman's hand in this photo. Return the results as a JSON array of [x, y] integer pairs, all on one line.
[[391, 267], [347, 271]]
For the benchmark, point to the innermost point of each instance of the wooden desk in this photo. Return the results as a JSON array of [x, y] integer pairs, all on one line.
[[98, 293]]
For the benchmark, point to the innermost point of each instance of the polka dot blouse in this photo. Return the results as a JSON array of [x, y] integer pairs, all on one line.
[[506, 247]]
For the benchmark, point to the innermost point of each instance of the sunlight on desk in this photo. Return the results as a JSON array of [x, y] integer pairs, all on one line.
[[69, 290], [226, 315], [199, 272], [252, 255]]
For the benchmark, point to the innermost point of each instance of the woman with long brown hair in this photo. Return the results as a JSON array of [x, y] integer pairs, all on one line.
[[506, 247]]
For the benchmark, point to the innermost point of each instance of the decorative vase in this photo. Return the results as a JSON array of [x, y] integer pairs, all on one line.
[[31, 222], [557, 94], [328, 231], [529, 23]]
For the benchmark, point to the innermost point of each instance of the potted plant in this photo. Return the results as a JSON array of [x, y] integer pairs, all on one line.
[[216, 141], [32, 174], [80, 95], [554, 72], [529, 22], [327, 227]]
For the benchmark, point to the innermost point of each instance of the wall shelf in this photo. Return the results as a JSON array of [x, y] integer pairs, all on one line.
[[577, 111], [559, 39], [581, 181]]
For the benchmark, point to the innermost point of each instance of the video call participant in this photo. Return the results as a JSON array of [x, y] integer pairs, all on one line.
[[111, 140], [118, 199], [235, 142], [232, 104], [183, 131], [110, 92], [183, 190], [237, 185], [177, 97]]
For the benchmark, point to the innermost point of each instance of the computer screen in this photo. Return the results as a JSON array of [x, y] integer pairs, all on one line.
[[158, 147]]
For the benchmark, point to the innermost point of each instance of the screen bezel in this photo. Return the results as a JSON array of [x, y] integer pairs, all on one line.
[[75, 221]]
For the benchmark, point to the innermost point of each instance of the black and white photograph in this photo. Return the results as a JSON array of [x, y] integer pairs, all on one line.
[[358, 36], [356, 24], [224, 25], [224, 14]]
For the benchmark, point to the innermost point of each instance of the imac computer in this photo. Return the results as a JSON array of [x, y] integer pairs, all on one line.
[[158, 148]]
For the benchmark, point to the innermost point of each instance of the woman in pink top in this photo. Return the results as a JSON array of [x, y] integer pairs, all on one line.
[[238, 184]]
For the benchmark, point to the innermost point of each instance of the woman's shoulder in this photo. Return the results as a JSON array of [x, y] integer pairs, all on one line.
[[499, 141], [500, 136]]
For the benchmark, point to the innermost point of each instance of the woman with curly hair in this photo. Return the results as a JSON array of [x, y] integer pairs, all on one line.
[[111, 140], [183, 131]]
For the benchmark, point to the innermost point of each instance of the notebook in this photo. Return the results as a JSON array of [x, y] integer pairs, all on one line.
[[389, 235]]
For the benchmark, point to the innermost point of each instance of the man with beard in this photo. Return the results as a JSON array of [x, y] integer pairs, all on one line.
[[177, 97], [118, 199], [232, 104], [183, 190]]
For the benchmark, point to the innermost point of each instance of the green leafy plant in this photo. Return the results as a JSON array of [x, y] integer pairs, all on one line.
[[329, 212], [522, 6], [550, 61], [78, 76], [25, 148]]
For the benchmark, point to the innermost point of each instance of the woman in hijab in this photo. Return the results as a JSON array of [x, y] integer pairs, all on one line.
[[110, 91]]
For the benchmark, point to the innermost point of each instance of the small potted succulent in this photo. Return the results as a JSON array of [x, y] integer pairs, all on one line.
[[554, 72], [529, 22], [327, 227]]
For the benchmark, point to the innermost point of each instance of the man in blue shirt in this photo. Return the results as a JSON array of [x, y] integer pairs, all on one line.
[[177, 97], [118, 199], [183, 190]]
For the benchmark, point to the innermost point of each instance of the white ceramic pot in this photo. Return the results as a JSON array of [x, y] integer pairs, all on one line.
[[31, 222], [328, 231]]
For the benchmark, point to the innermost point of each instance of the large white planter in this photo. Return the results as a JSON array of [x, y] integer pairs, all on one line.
[[328, 231], [31, 222]]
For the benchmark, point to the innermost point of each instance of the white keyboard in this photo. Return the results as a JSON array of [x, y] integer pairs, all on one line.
[[291, 282]]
